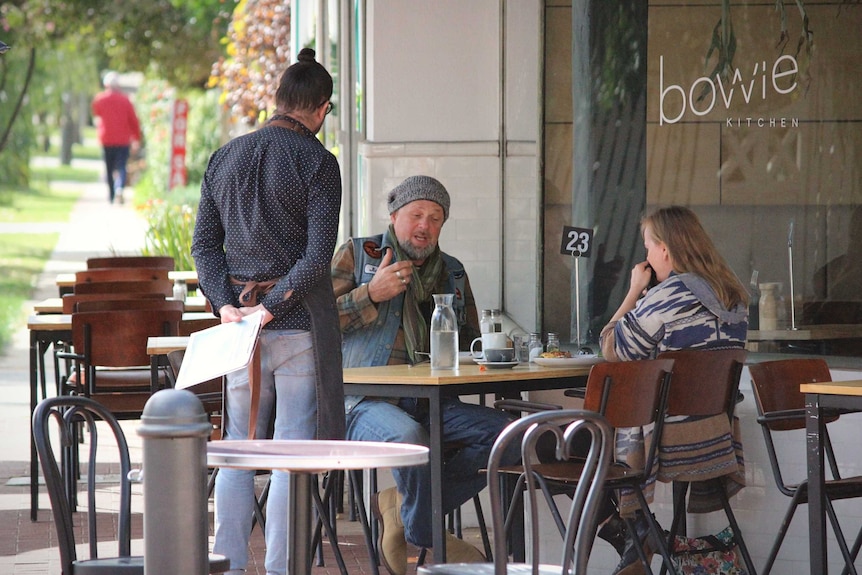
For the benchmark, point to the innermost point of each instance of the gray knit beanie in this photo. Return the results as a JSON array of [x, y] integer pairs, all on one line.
[[419, 188]]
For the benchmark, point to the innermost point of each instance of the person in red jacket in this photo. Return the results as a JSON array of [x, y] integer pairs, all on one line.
[[118, 130]]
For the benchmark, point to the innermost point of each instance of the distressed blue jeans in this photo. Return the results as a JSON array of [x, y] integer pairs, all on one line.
[[287, 384], [473, 427]]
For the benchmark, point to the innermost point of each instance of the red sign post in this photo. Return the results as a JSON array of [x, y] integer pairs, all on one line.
[[179, 121]]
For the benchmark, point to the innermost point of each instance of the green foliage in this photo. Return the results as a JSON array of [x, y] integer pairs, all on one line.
[[35, 204], [171, 214], [15, 155], [258, 44], [171, 225], [23, 257], [181, 38]]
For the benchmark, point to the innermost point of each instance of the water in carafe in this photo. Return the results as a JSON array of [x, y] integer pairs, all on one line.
[[444, 333]]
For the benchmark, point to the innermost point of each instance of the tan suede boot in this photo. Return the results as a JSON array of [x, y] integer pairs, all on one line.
[[386, 506], [459, 551]]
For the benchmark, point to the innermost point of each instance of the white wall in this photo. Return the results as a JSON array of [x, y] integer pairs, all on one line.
[[434, 95], [433, 70]]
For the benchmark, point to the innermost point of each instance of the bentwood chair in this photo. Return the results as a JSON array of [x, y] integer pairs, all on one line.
[[107, 443], [705, 385], [630, 394], [781, 409], [593, 467]]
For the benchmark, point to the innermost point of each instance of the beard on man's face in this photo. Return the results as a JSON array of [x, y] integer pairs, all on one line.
[[417, 253]]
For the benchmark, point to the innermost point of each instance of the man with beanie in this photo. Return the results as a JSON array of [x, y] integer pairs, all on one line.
[[383, 285]]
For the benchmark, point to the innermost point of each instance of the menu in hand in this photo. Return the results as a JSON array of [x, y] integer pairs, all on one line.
[[219, 350]]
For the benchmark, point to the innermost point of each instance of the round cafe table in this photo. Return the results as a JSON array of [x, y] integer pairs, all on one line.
[[302, 458]]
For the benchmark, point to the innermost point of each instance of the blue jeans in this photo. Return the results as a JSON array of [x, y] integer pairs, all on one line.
[[116, 158], [473, 427], [288, 384]]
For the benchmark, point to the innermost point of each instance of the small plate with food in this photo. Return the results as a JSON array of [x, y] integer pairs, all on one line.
[[566, 359]]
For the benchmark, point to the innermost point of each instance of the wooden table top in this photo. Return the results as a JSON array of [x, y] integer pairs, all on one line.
[[850, 387], [808, 333], [189, 276], [163, 345], [63, 321], [55, 304], [467, 372]]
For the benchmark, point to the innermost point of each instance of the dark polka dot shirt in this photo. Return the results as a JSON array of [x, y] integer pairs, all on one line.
[[269, 209]]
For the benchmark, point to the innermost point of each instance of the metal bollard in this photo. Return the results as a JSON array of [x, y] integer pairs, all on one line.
[[175, 429]]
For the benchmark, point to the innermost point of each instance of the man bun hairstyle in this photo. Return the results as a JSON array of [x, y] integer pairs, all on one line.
[[305, 85]]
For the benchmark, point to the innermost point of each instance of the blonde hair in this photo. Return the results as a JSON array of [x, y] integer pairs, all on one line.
[[692, 251]]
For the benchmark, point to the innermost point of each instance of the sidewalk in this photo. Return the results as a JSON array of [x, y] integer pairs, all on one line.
[[96, 228]]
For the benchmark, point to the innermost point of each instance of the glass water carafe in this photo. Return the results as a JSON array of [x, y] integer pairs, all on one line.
[[444, 333]]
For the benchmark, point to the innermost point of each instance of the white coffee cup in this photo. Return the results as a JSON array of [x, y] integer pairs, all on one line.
[[493, 340]]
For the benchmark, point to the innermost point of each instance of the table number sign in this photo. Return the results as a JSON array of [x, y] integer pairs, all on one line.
[[576, 242]]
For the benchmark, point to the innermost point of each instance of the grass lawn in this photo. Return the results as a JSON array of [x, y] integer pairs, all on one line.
[[23, 255], [36, 205]]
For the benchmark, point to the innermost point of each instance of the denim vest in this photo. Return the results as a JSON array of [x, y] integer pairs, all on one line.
[[373, 345]]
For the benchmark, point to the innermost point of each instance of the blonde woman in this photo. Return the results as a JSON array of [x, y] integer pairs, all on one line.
[[697, 302]]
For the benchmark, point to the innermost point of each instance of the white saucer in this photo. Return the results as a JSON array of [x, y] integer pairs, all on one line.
[[497, 364], [568, 361]]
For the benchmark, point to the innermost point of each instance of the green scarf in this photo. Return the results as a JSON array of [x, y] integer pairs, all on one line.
[[419, 290]]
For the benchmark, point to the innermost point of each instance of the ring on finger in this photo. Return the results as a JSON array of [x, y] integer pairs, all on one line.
[[403, 281], [398, 275]]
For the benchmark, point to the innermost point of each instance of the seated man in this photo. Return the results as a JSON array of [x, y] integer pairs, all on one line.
[[383, 285]]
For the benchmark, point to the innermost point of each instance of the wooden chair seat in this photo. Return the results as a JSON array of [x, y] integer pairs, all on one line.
[[96, 275], [165, 287], [71, 301], [151, 303], [166, 262]]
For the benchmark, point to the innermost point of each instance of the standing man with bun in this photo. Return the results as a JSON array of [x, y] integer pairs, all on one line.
[[118, 129], [265, 232]]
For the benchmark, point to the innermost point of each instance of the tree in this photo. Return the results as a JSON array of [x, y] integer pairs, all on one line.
[[177, 38], [258, 50]]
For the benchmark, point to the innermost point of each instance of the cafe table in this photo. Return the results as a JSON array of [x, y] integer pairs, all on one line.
[[819, 334], [301, 459], [396, 381], [55, 305], [819, 398], [47, 330], [66, 281], [420, 381]]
